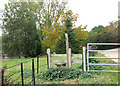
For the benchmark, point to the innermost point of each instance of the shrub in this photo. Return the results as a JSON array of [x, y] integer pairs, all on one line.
[[62, 73], [93, 60]]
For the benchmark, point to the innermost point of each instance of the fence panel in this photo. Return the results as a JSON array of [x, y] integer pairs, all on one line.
[[90, 57], [22, 78]]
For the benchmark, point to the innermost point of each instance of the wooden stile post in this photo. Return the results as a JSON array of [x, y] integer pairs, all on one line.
[[70, 60], [68, 51], [48, 53], [67, 48]]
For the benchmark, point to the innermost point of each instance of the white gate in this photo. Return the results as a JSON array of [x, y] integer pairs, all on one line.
[[95, 50]]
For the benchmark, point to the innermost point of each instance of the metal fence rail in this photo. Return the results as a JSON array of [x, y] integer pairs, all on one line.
[[89, 57]]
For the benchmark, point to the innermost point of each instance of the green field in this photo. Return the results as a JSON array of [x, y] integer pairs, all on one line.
[[101, 78]]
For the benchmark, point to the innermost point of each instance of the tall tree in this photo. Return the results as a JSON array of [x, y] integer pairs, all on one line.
[[58, 31], [92, 35], [19, 28], [73, 38], [47, 12]]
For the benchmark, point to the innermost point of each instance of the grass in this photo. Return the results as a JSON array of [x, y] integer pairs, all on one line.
[[102, 78]]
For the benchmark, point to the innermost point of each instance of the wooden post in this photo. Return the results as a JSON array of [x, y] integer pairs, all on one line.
[[48, 53], [84, 59], [70, 60], [67, 48]]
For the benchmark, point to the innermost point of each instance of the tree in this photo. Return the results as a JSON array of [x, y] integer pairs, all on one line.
[[98, 29], [19, 27], [47, 12], [113, 27], [106, 37], [106, 34], [73, 37], [81, 35], [58, 31], [92, 35]]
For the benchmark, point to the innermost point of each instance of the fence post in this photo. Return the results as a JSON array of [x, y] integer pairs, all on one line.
[[67, 49], [22, 74], [37, 64], [84, 59], [2, 77], [69, 56], [33, 74], [48, 58]]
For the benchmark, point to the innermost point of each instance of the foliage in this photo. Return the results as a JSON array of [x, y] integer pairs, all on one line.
[[94, 32], [60, 47], [20, 36], [62, 73], [112, 27], [42, 14], [106, 37], [98, 29], [108, 34], [81, 34], [48, 13], [73, 34], [54, 34], [93, 60]]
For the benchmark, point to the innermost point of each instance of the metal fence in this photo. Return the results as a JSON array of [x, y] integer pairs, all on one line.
[[92, 50], [22, 71]]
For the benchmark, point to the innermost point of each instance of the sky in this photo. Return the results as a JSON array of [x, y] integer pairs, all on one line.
[[94, 12], [91, 12]]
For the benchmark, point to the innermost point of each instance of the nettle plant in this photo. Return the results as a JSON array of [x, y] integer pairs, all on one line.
[[63, 73]]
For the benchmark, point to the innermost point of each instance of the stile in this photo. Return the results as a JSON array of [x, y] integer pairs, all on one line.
[[67, 48], [69, 57]]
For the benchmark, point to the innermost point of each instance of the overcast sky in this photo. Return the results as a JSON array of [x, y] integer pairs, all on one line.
[[91, 12]]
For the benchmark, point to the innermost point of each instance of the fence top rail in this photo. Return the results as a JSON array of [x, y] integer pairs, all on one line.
[[103, 64], [104, 50], [17, 64], [105, 57], [103, 43]]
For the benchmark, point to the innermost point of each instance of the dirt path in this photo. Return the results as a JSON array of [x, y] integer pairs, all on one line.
[[112, 54]]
